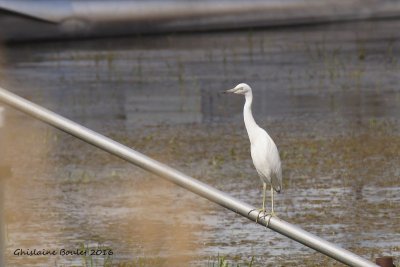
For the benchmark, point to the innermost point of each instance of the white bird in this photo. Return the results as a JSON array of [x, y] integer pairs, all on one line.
[[264, 152]]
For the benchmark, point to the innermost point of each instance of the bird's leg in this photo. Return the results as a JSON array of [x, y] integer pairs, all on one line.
[[262, 210], [272, 201], [272, 213], [264, 193]]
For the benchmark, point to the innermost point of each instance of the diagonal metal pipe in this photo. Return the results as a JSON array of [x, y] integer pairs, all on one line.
[[2, 190], [183, 180]]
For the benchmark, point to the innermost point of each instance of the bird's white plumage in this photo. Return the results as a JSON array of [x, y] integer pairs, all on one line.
[[266, 160], [264, 152]]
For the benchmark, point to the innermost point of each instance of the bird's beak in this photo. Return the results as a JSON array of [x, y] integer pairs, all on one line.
[[229, 91]]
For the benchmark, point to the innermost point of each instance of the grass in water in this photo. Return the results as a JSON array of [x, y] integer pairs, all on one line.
[[223, 261]]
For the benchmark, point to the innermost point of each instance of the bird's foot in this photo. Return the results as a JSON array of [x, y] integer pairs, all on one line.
[[267, 217], [263, 214], [271, 214], [261, 210]]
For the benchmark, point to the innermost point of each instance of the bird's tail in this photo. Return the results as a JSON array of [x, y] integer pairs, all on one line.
[[276, 182]]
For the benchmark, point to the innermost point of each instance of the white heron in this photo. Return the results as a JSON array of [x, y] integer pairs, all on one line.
[[264, 152]]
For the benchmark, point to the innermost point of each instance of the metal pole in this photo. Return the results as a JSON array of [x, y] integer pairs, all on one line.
[[5, 173], [183, 180], [2, 177]]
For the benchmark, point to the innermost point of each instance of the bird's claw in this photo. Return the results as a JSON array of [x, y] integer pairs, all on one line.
[[271, 214], [265, 214], [259, 212]]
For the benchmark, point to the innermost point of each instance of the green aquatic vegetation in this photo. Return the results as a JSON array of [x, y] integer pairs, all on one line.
[[110, 59], [390, 55], [224, 56], [103, 256], [95, 256], [283, 154], [234, 54], [262, 46], [333, 67], [217, 161], [78, 177], [356, 75], [320, 50], [181, 72], [85, 178], [210, 55], [361, 51], [333, 64], [139, 70], [378, 87], [181, 81], [114, 174], [224, 261], [168, 65], [232, 152], [142, 262], [97, 61], [372, 122], [224, 60]]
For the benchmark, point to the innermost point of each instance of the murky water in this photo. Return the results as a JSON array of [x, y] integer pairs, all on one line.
[[329, 96]]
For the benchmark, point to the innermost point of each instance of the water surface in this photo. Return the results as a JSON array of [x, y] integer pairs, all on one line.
[[328, 95]]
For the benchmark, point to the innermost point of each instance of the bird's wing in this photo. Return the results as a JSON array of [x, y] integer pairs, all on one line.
[[276, 178], [274, 162]]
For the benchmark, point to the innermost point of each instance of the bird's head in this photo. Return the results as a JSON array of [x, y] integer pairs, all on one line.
[[240, 89]]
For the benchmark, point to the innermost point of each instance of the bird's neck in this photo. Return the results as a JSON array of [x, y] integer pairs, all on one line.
[[250, 123]]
